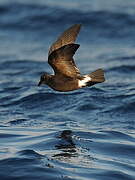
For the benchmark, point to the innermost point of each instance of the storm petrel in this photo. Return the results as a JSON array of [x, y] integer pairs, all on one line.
[[67, 76]]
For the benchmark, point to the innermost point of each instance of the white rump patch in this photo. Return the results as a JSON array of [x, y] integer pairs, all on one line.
[[83, 82]]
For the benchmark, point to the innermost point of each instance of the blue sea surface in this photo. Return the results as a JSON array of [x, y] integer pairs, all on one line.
[[87, 134]]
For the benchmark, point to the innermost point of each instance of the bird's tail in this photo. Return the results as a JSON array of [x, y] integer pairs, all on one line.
[[96, 77]]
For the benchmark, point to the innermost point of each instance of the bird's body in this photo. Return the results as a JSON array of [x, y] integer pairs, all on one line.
[[63, 84], [67, 76]]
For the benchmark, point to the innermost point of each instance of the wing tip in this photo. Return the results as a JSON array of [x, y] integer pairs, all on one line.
[[74, 30], [78, 26]]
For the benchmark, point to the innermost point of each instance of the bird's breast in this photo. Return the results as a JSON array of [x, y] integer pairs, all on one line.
[[64, 84]]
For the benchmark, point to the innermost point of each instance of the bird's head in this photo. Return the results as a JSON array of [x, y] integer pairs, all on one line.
[[44, 79]]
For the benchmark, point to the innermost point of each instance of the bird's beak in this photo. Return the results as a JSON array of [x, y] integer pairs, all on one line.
[[40, 82]]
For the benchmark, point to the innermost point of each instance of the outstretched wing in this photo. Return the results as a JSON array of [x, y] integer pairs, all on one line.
[[62, 61], [67, 37]]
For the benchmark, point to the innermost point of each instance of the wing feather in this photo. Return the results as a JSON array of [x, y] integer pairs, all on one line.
[[67, 37], [62, 61]]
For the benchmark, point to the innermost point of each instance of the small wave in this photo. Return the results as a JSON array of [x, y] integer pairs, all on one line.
[[19, 64], [126, 108], [115, 174], [37, 17], [17, 121], [117, 135], [29, 167], [11, 89], [29, 153], [46, 101], [105, 135], [122, 58], [3, 135], [87, 107], [124, 69]]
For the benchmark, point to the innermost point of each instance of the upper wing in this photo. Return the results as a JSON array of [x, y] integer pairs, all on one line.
[[62, 61], [67, 37]]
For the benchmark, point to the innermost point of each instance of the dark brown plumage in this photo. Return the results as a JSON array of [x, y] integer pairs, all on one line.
[[67, 76], [67, 37]]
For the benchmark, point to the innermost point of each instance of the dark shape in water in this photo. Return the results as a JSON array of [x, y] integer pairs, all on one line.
[[66, 145], [67, 76]]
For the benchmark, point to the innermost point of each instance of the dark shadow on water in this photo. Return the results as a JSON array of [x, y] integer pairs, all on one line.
[[66, 145]]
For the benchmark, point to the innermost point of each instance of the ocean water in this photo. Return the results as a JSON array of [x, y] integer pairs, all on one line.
[[87, 134]]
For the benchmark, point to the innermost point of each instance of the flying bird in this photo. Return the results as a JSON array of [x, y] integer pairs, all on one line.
[[67, 76]]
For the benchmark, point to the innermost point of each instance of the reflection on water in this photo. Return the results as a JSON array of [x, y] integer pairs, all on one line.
[[66, 145]]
